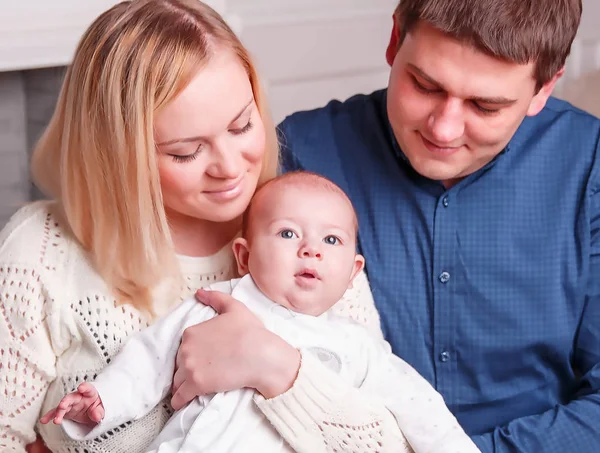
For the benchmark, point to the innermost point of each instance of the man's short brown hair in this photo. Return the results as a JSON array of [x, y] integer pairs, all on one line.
[[518, 31]]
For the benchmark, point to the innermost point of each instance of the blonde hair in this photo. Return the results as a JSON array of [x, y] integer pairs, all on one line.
[[97, 157]]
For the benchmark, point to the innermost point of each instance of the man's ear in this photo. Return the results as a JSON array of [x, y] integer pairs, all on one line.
[[539, 100], [359, 264], [241, 253], [394, 44]]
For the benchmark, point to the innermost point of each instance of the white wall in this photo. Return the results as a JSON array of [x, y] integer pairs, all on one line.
[[311, 51], [581, 82], [308, 50]]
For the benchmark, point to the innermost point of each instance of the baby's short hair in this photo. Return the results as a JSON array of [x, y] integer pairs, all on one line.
[[298, 178]]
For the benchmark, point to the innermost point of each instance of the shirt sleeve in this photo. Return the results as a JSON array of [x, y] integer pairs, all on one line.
[[140, 376], [27, 355], [572, 426]]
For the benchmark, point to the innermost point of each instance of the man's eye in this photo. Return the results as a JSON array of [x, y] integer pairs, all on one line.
[[331, 240], [287, 234], [422, 88], [484, 110]]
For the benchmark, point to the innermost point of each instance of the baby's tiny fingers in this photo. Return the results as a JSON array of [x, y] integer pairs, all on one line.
[[87, 390], [96, 414], [48, 416], [59, 416]]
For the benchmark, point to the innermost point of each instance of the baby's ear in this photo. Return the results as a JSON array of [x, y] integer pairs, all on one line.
[[359, 264], [241, 253]]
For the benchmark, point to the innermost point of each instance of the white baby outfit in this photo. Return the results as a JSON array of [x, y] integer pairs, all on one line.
[[140, 377]]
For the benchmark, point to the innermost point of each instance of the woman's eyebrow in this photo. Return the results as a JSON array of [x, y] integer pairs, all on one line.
[[195, 139]]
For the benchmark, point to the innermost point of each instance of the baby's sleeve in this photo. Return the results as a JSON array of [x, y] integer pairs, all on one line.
[[418, 408], [140, 376]]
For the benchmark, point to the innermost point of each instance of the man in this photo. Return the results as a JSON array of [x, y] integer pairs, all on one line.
[[479, 208]]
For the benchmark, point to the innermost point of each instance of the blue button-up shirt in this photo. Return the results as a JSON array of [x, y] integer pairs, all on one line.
[[490, 289]]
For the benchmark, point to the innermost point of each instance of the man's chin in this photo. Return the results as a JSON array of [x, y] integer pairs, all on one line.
[[435, 173]]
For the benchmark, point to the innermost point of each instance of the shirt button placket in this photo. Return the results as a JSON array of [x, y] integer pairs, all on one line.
[[443, 315]]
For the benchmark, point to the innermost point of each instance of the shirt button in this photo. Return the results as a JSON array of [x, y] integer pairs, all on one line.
[[444, 356], [445, 202], [444, 277]]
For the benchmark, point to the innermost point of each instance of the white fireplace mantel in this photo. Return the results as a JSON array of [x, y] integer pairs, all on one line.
[[41, 33]]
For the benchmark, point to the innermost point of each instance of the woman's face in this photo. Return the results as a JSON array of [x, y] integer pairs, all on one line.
[[211, 141]]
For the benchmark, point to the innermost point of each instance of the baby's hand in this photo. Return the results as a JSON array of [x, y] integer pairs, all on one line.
[[82, 406]]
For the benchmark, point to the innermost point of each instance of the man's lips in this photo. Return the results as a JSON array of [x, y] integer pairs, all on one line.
[[437, 148]]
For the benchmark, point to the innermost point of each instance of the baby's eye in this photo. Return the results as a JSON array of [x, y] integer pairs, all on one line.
[[331, 240], [288, 234]]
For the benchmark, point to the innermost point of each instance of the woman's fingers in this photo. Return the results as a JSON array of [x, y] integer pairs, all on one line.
[[185, 393]]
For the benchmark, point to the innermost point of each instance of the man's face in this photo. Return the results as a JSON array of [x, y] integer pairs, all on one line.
[[453, 108]]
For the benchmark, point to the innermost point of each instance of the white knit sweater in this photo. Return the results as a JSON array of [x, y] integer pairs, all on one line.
[[59, 325]]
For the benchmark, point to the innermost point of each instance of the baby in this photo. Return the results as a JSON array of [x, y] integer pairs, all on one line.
[[297, 255]]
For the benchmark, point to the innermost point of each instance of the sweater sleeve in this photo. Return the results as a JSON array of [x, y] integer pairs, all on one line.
[[27, 357], [358, 305], [324, 413]]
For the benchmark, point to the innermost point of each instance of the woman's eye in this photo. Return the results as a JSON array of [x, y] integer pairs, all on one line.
[[287, 234], [244, 129], [187, 158], [331, 240]]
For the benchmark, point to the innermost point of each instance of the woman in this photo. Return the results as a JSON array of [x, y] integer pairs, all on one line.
[[158, 142]]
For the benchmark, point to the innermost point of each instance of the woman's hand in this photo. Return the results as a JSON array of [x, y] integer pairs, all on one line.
[[230, 352]]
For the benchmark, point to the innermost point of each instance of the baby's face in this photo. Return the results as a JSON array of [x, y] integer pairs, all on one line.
[[302, 248]]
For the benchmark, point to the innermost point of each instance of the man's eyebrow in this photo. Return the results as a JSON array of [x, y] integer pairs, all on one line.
[[496, 100], [195, 139]]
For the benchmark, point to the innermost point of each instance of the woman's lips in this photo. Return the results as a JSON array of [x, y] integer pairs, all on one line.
[[227, 192]]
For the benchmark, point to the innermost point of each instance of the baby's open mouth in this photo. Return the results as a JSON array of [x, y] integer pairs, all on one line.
[[308, 273]]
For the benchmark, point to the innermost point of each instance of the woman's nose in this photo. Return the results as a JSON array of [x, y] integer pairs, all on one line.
[[226, 162]]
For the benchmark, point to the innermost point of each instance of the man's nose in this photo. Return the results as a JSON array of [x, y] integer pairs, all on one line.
[[447, 123]]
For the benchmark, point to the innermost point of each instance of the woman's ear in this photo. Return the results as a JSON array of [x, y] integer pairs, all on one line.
[[241, 253], [359, 264]]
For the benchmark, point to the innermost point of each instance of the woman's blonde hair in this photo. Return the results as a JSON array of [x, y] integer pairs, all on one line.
[[97, 157]]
